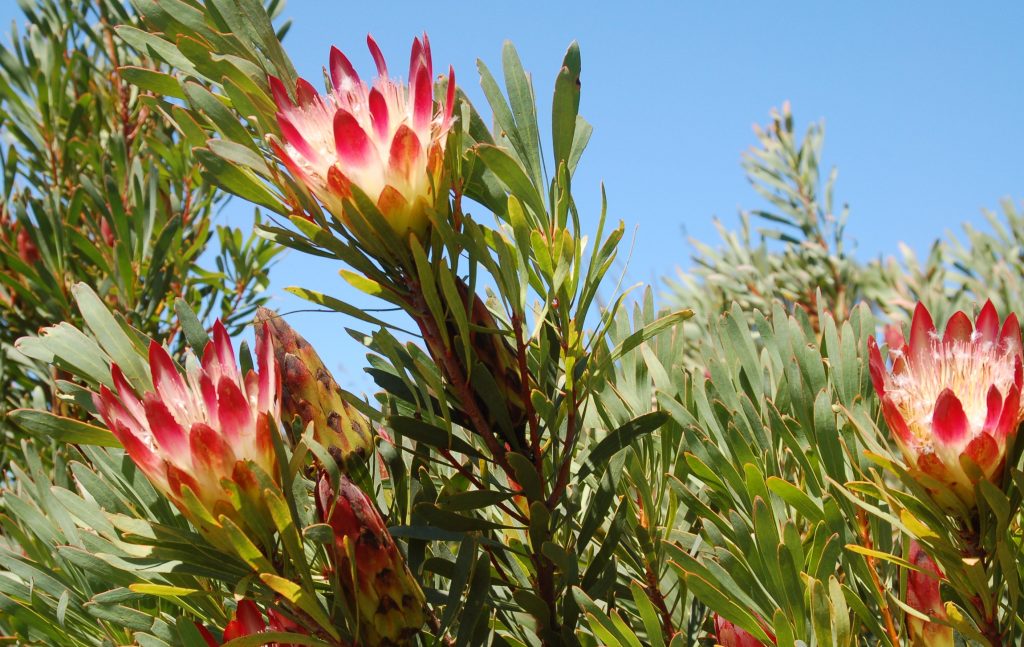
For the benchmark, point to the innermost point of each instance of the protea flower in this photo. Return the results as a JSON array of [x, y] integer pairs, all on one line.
[[923, 595], [383, 596], [384, 138], [953, 397], [308, 390], [203, 431], [729, 635]]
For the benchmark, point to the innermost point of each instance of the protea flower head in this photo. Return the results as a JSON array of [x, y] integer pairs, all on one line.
[[203, 431], [383, 596], [953, 402], [729, 635], [923, 595], [308, 390], [385, 138]]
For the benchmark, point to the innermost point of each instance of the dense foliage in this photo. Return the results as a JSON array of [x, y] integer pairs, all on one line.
[[785, 450]]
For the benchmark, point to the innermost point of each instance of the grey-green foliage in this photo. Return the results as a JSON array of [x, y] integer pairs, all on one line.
[[75, 538], [775, 496], [796, 250], [99, 186], [798, 255]]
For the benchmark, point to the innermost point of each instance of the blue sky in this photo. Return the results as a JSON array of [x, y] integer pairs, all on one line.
[[921, 102]]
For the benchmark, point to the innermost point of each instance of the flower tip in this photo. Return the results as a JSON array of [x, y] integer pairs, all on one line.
[[279, 93], [958, 328], [378, 56], [449, 104], [922, 328], [988, 321], [305, 93]]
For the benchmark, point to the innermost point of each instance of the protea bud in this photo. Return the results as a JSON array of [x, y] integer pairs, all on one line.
[[206, 432], [923, 595], [491, 347], [729, 635], [953, 402], [383, 596], [308, 390], [386, 139]]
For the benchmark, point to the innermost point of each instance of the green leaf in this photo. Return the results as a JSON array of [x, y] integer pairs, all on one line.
[[195, 333], [476, 601], [526, 475], [152, 80], [796, 497], [566, 104], [239, 181], [341, 306], [464, 563], [66, 430], [163, 590], [447, 520], [512, 174], [619, 440], [431, 435], [472, 500], [648, 614], [638, 337], [524, 108], [725, 606], [70, 349]]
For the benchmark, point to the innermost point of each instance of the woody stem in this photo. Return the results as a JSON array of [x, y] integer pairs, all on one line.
[[988, 620]]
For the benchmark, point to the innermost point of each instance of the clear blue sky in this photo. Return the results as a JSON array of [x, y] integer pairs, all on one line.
[[922, 103]]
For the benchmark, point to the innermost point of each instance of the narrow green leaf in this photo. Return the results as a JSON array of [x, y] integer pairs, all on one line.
[[67, 430]]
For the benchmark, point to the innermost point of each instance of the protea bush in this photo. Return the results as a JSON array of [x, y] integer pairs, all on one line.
[[759, 457]]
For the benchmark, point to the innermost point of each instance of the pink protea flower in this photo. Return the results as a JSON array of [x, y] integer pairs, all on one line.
[[953, 397], [384, 138], [729, 635], [923, 595], [201, 430]]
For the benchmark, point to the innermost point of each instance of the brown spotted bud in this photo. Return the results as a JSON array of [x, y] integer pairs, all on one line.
[[309, 391], [383, 596]]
